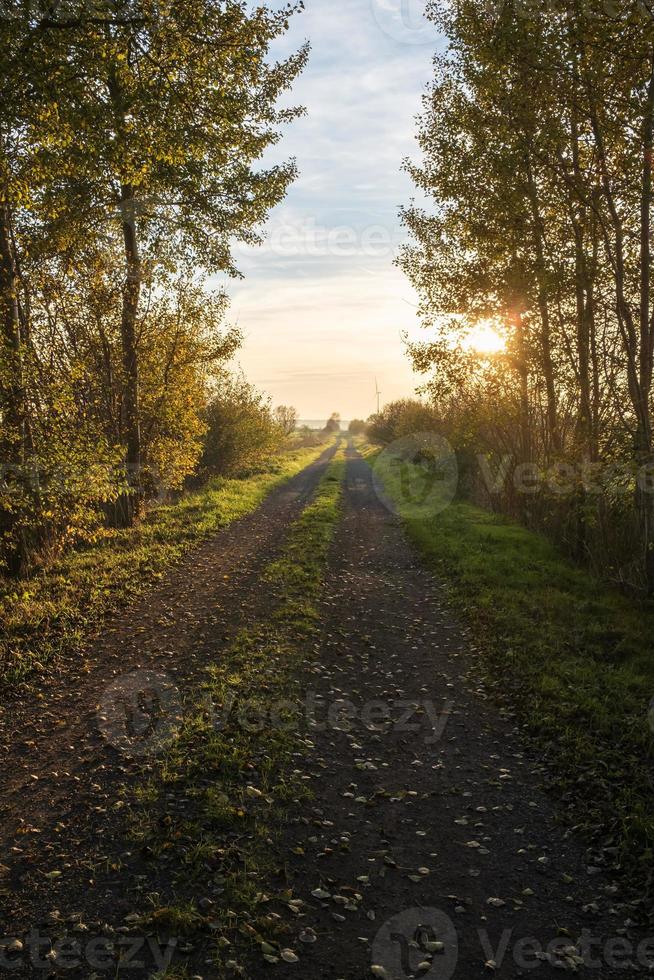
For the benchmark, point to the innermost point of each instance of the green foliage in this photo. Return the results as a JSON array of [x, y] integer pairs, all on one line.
[[404, 417], [131, 137], [55, 495], [166, 110], [242, 432], [183, 348], [65, 483]]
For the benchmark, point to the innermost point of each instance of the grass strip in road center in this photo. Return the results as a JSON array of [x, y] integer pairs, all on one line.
[[225, 783]]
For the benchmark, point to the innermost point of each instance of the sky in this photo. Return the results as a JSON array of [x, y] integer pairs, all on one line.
[[322, 307]]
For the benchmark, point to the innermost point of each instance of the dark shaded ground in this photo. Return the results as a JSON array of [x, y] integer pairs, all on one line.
[[60, 778], [431, 829], [438, 820]]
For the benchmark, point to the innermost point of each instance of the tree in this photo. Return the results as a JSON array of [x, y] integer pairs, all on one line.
[[541, 222], [130, 140], [241, 429], [170, 148], [30, 120], [287, 418], [333, 423], [403, 417]]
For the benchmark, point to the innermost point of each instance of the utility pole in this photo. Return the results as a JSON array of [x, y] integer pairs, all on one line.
[[378, 393]]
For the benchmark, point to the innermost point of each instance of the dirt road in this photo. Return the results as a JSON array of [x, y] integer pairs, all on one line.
[[436, 821], [429, 848]]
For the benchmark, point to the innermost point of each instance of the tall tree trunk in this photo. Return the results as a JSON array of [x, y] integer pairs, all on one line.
[[522, 368], [543, 306], [644, 436], [129, 505], [12, 399], [583, 421], [584, 303], [637, 331]]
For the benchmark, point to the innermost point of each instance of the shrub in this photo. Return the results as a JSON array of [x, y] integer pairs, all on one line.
[[242, 432]]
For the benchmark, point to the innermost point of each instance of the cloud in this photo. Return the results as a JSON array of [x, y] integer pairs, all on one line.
[[322, 311]]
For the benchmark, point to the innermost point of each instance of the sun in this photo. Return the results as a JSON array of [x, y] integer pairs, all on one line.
[[484, 338]]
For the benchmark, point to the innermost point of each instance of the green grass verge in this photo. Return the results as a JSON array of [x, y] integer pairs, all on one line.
[[574, 657], [59, 608], [223, 786]]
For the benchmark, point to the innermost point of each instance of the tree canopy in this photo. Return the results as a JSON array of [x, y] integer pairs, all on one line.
[[536, 142], [131, 142]]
